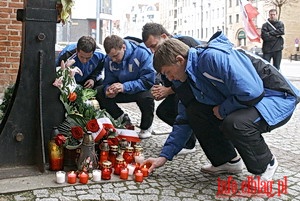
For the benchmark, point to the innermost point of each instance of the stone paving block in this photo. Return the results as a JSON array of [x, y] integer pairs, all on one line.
[[89, 197], [41, 193], [110, 196], [147, 197], [127, 196]]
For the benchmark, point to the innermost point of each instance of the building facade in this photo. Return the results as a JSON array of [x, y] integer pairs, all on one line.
[[202, 18]]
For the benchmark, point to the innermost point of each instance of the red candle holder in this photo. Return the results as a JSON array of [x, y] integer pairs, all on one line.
[[72, 177], [83, 178], [128, 155], [138, 176], [144, 170], [119, 165], [124, 174], [106, 170]]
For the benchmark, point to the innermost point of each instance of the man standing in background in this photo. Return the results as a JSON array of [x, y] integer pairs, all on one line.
[[271, 34]]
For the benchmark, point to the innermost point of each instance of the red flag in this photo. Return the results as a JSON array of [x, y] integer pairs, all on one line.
[[249, 12]]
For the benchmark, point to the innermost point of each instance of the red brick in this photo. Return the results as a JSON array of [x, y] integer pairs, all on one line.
[[14, 38], [4, 15], [13, 49], [12, 59], [14, 26], [3, 4]]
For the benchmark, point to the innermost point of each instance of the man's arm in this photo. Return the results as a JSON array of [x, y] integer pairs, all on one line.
[[279, 31], [180, 134]]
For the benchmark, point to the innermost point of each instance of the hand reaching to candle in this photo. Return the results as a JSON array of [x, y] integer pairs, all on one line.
[[155, 163]]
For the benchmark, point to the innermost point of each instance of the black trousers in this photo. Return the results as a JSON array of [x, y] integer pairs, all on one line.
[[144, 100], [242, 130], [277, 56], [167, 112]]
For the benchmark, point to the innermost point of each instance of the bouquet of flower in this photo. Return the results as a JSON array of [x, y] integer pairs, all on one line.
[[81, 115]]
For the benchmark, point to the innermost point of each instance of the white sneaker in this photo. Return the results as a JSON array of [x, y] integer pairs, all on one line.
[[270, 171], [229, 168], [186, 151], [145, 133], [266, 176]]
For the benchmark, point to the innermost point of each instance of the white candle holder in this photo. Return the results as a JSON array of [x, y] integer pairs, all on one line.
[[131, 169], [60, 177], [96, 175]]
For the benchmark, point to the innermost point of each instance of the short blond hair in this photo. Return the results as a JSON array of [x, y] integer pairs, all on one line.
[[167, 52]]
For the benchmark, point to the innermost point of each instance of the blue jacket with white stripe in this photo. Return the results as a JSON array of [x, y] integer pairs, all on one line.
[[234, 79], [135, 72]]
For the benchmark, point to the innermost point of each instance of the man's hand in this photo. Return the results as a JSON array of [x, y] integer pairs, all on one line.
[[160, 92], [155, 163], [89, 84], [114, 89], [216, 112]]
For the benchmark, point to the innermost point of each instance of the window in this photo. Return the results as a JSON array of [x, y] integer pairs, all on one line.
[[230, 19], [237, 18]]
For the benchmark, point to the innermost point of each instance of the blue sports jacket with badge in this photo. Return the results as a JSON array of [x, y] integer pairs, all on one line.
[[91, 69], [135, 72]]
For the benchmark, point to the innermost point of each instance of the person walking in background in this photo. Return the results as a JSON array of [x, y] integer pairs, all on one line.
[[271, 34], [152, 35], [238, 97], [129, 76], [88, 59]]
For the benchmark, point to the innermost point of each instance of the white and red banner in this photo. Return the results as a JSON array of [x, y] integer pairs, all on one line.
[[248, 13]]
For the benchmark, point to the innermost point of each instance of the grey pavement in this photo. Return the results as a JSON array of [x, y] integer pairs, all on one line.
[[181, 178]]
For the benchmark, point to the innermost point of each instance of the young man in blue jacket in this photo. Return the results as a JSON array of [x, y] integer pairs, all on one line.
[[129, 76], [154, 34], [88, 59], [238, 96]]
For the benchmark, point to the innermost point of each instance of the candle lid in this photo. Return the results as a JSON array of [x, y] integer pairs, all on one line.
[[138, 149], [114, 148], [129, 149], [119, 159], [106, 164]]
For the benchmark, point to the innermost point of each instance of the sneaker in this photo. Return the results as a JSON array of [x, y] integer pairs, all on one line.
[[270, 171], [145, 133], [186, 151], [125, 120], [229, 168], [258, 180]]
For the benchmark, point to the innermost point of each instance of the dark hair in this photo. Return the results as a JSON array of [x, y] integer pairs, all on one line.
[[86, 44], [111, 42], [273, 10], [153, 29]]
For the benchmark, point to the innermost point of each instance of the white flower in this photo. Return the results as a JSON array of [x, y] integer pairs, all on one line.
[[75, 70]]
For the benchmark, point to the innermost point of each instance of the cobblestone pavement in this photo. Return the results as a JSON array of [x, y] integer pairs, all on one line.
[[181, 179]]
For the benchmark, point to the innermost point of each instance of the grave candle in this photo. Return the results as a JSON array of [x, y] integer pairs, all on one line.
[[96, 175], [124, 174], [60, 177], [138, 176], [83, 178], [131, 169], [71, 178], [144, 170]]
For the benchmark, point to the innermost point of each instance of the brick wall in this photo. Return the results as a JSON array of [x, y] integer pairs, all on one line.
[[10, 42]]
